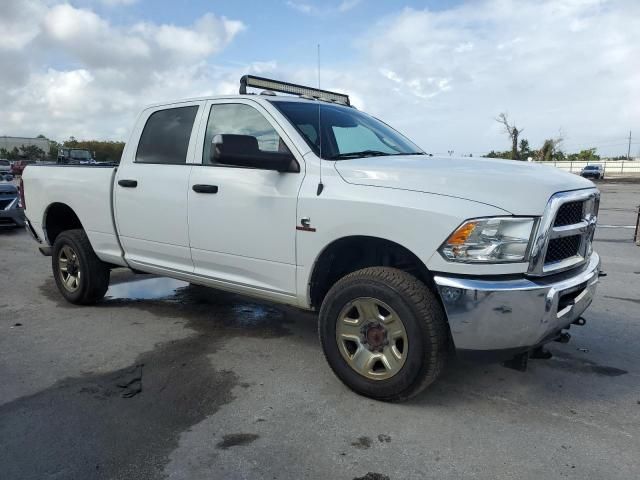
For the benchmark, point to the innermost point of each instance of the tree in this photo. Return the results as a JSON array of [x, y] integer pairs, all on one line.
[[525, 151], [587, 155], [13, 154], [31, 152], [513, 133], [53, 149], [494, 154], [104, 151], [559, 155], [549, 148]]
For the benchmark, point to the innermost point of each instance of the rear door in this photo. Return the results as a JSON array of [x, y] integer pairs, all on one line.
[[243, 231], [151, 188]]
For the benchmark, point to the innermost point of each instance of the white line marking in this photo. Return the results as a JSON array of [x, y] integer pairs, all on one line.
[[617, 226]]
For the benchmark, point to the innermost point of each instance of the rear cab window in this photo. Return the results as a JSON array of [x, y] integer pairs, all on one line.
[[165, 137]]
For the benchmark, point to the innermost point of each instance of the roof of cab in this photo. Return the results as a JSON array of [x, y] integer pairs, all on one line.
[[259, 97]]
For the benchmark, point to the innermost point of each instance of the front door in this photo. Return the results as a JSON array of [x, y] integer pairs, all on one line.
[[243, 230], [151, 189]]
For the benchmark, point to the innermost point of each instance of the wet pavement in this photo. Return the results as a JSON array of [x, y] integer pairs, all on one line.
[[167, 380]]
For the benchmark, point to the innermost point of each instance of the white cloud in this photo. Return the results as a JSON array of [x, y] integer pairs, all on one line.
[[439, 76], [347, 5], [325, 8], [19, 23], [115, 3], [552, 64], [110, 71]]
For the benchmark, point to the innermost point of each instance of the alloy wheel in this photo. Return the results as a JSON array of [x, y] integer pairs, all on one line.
[[69, 268]]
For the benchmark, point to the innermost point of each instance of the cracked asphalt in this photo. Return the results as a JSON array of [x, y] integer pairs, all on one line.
[[167, 380]]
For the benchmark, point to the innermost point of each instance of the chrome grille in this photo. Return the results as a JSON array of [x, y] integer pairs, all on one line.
[[561, 248], [565, 232], [569, 214]]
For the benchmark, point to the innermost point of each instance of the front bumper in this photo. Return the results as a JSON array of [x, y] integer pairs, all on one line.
[[512, 316], [14, 217]]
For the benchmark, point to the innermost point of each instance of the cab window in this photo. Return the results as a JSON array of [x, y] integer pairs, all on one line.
[[250, 129], [165, 138]]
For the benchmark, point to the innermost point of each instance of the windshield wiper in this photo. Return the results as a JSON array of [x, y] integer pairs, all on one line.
[[363, 153], [371, 153]]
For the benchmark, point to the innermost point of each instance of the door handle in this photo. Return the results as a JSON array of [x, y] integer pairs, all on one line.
[[205, 188], [128, 183]]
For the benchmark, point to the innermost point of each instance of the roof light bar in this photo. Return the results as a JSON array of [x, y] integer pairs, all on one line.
[[292, 88]]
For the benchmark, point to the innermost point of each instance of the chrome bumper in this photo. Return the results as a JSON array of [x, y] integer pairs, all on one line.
[[491, 315]]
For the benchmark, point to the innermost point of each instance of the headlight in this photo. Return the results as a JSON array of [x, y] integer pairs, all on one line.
[[490, 240]]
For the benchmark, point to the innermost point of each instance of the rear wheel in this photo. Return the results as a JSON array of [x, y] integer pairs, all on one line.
[[383, 333], [80, 275]]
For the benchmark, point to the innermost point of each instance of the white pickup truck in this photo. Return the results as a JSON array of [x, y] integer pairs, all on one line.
[[303, 200]]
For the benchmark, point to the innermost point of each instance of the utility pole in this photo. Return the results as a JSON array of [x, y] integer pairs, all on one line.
[[629, 149]]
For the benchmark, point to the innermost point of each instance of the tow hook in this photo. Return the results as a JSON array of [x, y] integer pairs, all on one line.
[[580, 321], [564, 337], [602, 273]]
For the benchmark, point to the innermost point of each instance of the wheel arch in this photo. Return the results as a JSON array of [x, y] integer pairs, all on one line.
[[354, 252], [57, 218]]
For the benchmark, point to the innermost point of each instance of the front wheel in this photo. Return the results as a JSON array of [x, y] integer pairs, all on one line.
[[383, 333], [80, 275]]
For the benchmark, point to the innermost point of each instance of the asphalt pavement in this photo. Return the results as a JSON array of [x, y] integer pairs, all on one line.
[[167, 380]]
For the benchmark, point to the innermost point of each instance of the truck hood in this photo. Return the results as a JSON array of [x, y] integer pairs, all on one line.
[[520, 188]]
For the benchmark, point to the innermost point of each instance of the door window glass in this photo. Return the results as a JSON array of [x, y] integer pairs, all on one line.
[[240, 119], [165, 138]]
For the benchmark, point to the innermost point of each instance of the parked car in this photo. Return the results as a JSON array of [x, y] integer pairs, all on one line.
[[19, 165], [309, 202], [11, 211], [593, 171], [5, 166]]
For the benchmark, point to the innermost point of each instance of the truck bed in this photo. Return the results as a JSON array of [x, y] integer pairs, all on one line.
[[87, 190]]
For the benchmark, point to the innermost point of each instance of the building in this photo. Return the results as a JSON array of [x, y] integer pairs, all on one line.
[[8, 143]]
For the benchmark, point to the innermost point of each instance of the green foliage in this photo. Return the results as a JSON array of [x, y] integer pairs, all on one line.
[[546, 152], [53, 149], [105, 151], [32, 152], [559, 156], [584, 155], [505, 155], [13, 154]]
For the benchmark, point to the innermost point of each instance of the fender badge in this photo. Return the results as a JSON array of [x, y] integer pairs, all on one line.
[[305, 225]]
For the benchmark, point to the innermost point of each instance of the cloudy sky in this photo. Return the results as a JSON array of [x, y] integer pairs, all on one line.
[[440, 71]]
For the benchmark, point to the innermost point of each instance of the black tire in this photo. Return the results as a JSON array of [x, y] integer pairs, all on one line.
[[94, 274], [423, 319]]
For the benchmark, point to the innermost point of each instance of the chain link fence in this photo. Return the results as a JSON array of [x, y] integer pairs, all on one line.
[[612, 168]]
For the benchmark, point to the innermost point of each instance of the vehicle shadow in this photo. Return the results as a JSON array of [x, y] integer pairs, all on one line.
[[221, 315]]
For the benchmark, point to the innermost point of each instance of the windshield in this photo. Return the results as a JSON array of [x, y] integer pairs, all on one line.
[[4, 163], [346, 132], [81, 154], [592, 167]]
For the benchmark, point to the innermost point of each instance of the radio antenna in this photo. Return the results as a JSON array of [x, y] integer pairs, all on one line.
[[320, 184]]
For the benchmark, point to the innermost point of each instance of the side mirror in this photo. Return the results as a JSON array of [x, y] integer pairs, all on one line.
[[243, 151]]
